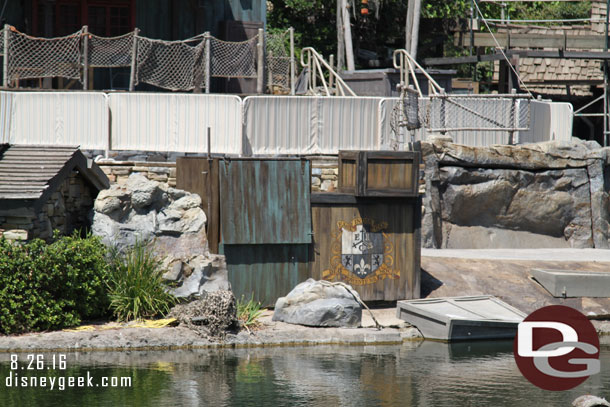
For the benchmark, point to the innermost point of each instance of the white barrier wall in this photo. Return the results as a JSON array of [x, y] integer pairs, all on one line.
[[60, 118], [280, 125], [175, 122], [310, 125], [259, 125], [549, 121], [6, 113]]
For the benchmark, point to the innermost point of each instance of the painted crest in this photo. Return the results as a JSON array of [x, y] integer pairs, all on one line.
[[361, 253]]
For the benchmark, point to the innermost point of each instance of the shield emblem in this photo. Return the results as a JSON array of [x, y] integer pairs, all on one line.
[[361, 250]]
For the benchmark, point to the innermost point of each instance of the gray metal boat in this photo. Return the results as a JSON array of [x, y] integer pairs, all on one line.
[[461, 318]]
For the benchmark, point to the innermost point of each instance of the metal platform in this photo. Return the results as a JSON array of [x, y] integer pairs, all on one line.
[[461, 318], [573, 283]]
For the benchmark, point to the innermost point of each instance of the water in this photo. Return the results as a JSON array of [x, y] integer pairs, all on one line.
[[415, 374]]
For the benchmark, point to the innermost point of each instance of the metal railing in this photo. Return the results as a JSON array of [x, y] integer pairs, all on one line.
[[316, 67]]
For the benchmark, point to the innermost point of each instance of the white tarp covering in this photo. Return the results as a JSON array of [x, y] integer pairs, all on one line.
[[310, 125], [175, 122], [6, 113], [59, 118], [549, 121], [258, 125]]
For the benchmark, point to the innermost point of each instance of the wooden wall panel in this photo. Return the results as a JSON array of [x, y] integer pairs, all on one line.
[[193, 175], [395, 221], [265, 201], [266, 272]]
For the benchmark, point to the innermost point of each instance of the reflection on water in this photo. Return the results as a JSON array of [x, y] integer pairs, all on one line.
[[415, 374]]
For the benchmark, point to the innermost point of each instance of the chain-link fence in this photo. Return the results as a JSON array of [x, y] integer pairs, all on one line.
[[444, 113], [174, 65]]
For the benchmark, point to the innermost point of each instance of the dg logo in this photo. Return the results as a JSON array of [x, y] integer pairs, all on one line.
[[557, 348]]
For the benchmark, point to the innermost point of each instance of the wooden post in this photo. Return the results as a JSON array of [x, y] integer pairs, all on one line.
[[208, 60], [260, 65], [349, 49], [415, 28], [5, 58], [409, 25], [292, 62], [85, 57], [340, 40], [134, 57]]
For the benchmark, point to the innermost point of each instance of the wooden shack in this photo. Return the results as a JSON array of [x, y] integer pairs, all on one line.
[[275, 233]]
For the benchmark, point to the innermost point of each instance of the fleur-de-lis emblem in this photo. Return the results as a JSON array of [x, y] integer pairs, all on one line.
[[361, 268]]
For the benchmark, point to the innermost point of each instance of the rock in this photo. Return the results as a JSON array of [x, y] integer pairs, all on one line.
[[553, 203], [15, 234], [173, 221], [315, 303], [142, 190], [209, 274], [175, 272], [590, 401], [111, 200]]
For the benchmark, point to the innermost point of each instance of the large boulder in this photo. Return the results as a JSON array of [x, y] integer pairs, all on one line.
[[172, 220], [318, 303]]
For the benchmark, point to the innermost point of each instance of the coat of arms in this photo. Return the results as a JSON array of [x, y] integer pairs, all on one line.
[[361, 253]]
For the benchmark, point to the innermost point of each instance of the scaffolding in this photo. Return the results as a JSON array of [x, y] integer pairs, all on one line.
[[536, 46]]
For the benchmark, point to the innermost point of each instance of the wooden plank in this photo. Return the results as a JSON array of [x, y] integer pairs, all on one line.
[[266, 272], [585, 42], [265, 201], [395, 221], [192, 174]]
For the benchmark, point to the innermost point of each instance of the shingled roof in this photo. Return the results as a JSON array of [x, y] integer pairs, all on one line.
[[32, 173], [550, 75]]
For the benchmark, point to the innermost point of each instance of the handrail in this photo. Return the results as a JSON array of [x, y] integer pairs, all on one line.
[[314, 62], [405, 64]]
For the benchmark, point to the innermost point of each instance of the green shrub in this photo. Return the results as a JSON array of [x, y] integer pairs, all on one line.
[[52, 286], [136, 286], [248, 312]]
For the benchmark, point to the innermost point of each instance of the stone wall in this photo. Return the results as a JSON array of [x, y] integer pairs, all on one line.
[[66, 210], [539, 195], [324, 173]]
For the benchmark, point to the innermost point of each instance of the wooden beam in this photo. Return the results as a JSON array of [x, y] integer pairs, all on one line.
[[521, 53], [507, 40]]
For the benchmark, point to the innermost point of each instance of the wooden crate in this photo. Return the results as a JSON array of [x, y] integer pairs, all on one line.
[[372, 244], [379, 173]]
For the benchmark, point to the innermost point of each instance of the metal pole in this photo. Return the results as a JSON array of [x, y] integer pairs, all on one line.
[[292, 62], [134, 57], [349, 49], [208, 60], [514, 136], [331, 78], [260, 65], [5, 58], [85, 57]]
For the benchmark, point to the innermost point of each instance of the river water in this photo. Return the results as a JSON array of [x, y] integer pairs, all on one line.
[[414, 374]]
